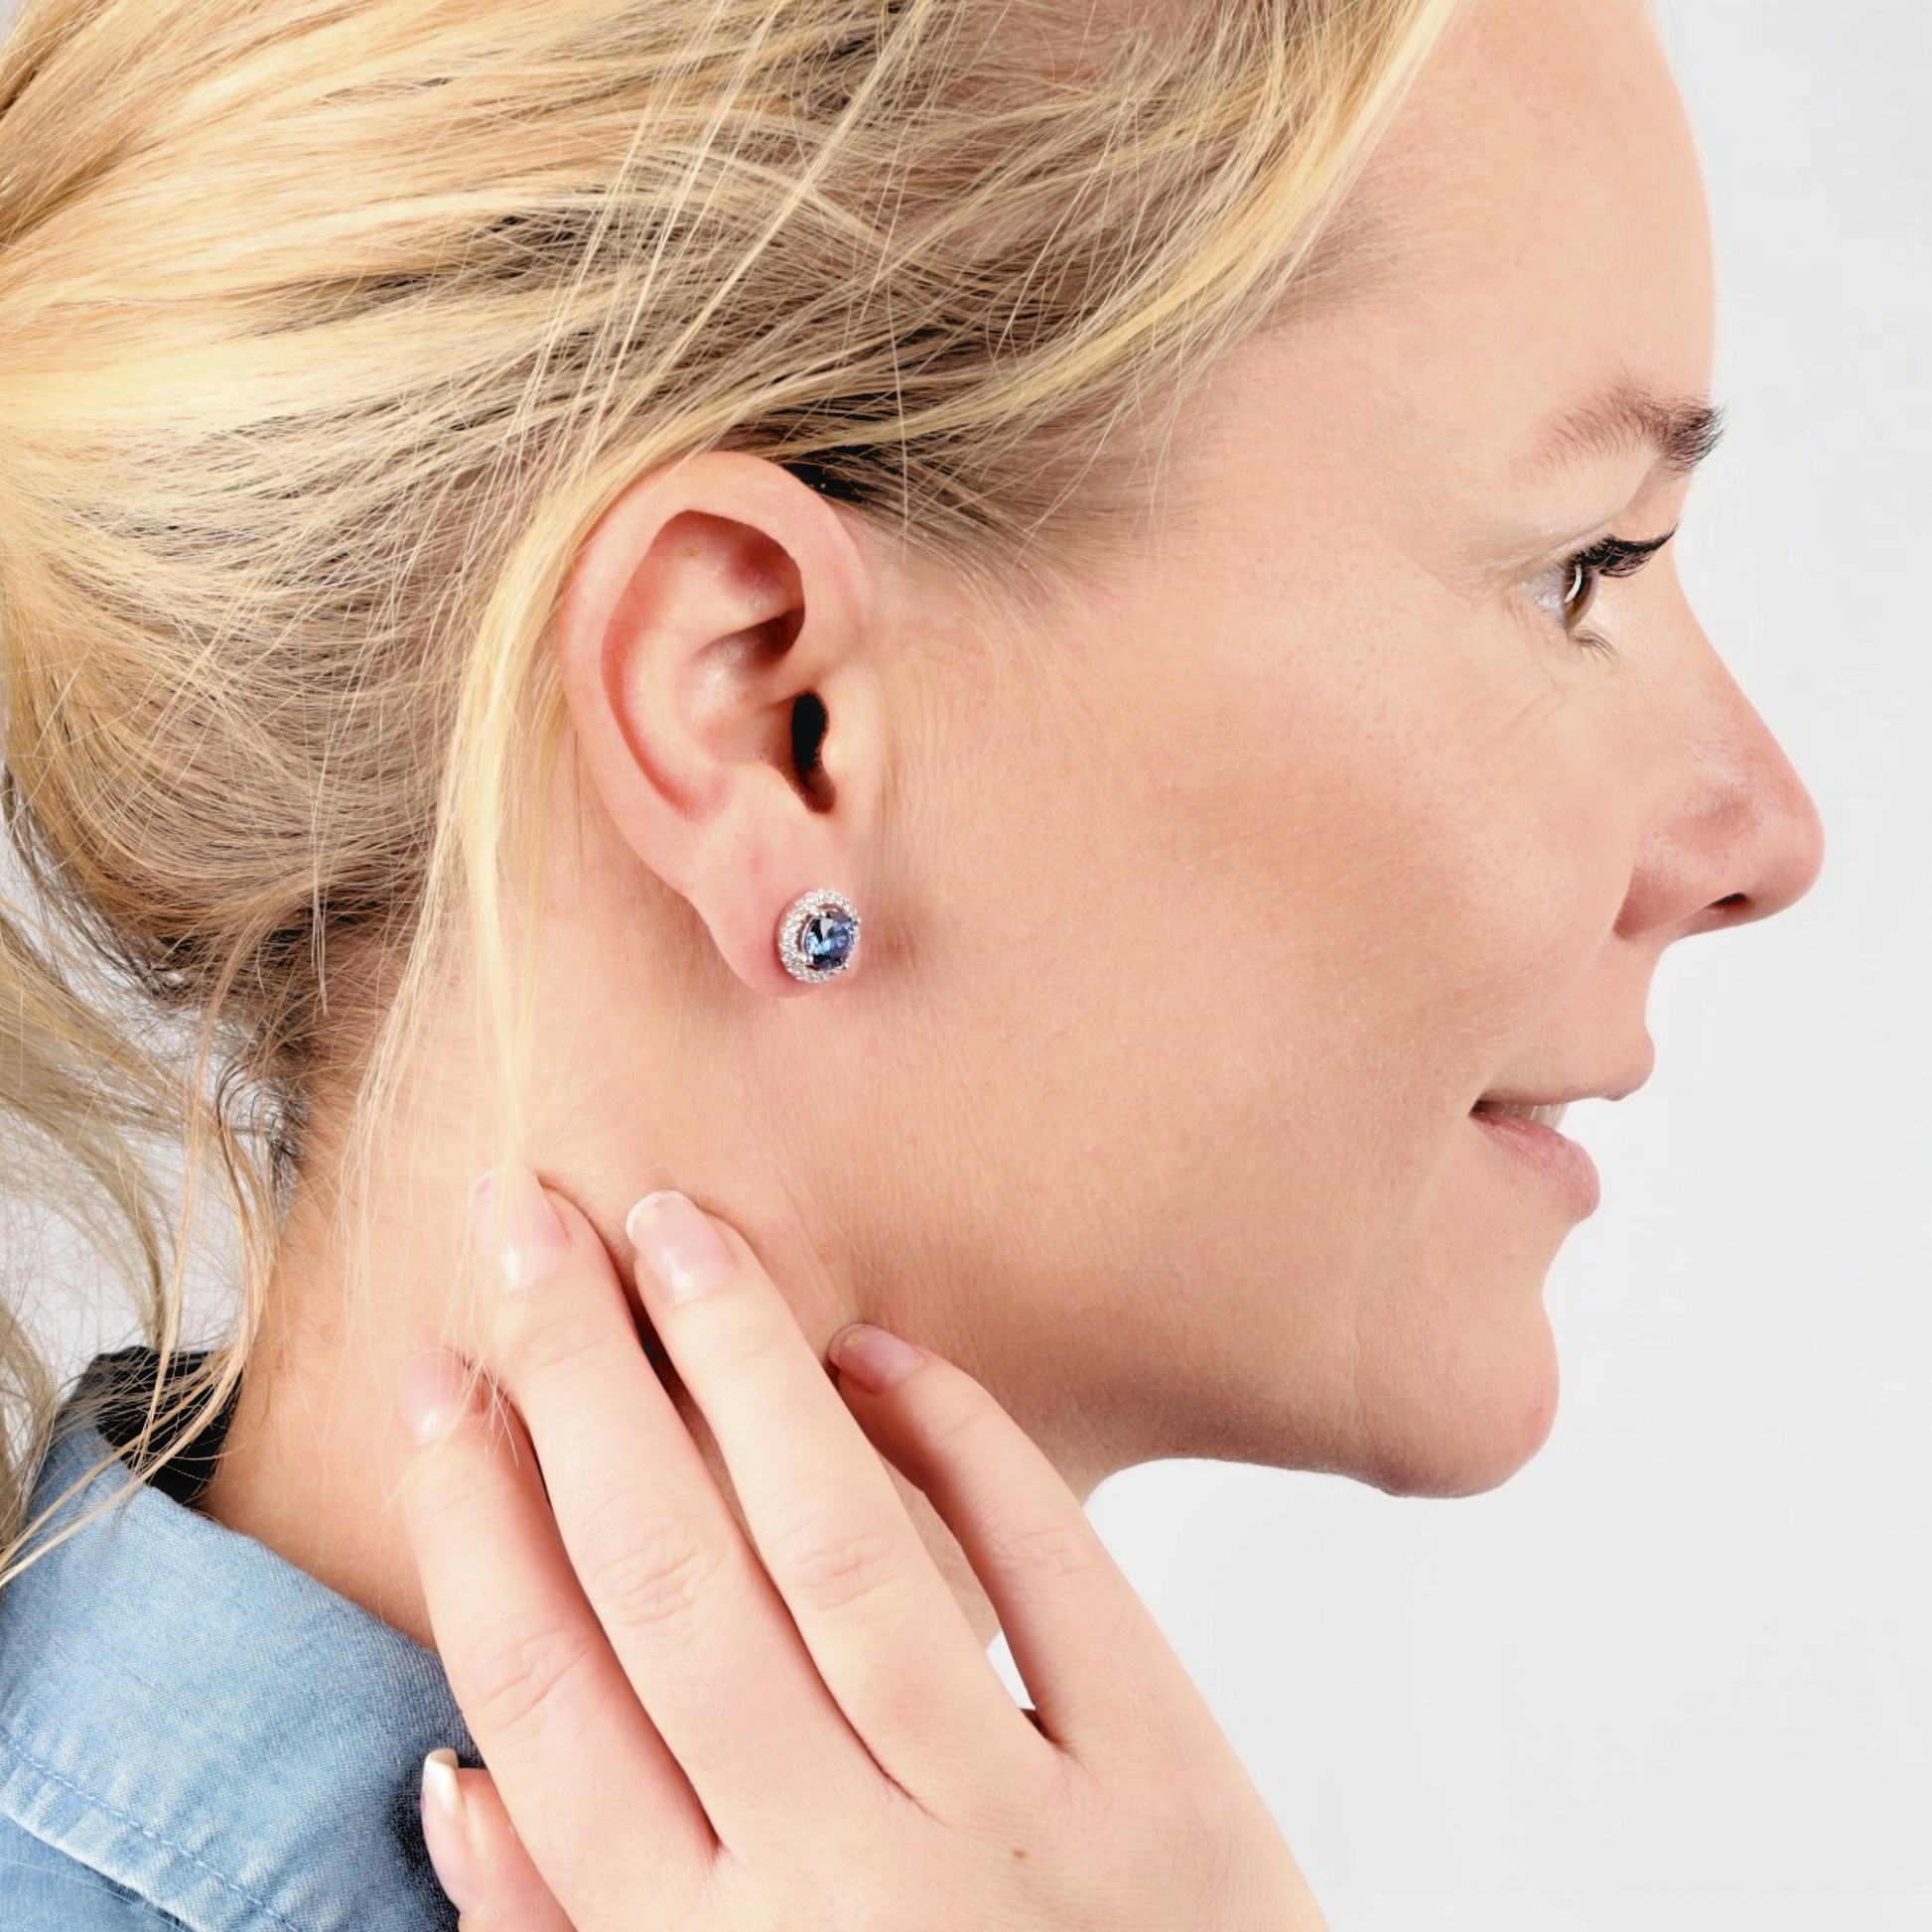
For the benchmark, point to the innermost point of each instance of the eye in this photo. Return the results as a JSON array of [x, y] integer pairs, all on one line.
[[1566, 592]]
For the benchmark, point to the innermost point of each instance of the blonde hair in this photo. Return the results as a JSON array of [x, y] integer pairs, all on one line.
[[328, 331]]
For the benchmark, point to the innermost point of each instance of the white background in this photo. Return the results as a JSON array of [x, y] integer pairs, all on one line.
[[1674, 1675]]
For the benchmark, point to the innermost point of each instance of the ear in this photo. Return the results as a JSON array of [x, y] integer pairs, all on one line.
[[713, 647]]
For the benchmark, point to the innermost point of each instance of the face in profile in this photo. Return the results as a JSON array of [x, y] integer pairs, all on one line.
[[1271, 881]]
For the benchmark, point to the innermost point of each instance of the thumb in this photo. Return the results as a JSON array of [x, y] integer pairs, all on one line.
[[480, 1861]]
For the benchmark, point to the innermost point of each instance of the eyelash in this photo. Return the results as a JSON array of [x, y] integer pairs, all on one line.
[[1581, 572]]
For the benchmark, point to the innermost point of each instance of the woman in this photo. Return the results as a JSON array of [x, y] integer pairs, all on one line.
[[1032, 651]]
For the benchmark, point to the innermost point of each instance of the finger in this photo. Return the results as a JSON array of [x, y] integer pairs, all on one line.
[[689, 1611], [568, 1742], [479, 1859], [882, 1624], [1102, 1676]]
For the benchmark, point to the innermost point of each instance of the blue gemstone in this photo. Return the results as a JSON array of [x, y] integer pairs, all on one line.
[[827, 941]]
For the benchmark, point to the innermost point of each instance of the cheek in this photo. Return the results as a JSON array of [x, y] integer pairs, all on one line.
[[1397, 849], [1471, 868], [1441, 872], [1213, 979]]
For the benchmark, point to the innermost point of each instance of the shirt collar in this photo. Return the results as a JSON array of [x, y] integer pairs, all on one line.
[[211, 1728]]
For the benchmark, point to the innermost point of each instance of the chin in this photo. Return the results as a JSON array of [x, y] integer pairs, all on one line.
[[1461, 1419]]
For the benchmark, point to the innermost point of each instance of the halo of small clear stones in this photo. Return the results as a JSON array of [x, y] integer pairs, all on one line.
[[797, 915]]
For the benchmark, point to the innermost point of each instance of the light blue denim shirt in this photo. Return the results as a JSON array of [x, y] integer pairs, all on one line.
[[192, 1733]]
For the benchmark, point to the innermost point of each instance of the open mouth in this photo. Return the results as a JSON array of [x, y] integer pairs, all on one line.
[[1550, 1116]]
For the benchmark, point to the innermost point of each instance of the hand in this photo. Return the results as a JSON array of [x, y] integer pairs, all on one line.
[[685, 1731]]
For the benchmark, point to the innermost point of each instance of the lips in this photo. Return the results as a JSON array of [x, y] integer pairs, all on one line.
[[1524, 1131]]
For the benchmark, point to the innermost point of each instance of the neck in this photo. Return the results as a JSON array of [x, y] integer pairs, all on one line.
[[303, 1470], [698, 1089]]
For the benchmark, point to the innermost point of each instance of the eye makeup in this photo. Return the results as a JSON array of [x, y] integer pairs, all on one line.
[[1566, 592]]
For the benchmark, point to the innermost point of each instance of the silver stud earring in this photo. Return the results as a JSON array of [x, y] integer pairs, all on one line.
[[818, 936]]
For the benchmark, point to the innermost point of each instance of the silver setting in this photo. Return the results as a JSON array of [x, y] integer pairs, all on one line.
[[791, 925]]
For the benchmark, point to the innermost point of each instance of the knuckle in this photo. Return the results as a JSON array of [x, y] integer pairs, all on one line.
[[650, 1572], [830, 1566], [1046, 1550], [523, 1674]]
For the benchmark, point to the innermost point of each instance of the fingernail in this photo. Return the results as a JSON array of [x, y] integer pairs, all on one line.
[[446, 1829], [675, 1240], [431, 1395], [873, 1360], [508, 1207]]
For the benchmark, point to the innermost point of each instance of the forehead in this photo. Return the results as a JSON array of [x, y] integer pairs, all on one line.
[[1535, 246], [1541, 199]]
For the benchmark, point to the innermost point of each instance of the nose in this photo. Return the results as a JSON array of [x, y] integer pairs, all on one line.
[[1739, 836]]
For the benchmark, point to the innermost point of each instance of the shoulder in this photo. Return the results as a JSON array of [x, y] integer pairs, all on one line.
[[147, 1660], [41, 1890]]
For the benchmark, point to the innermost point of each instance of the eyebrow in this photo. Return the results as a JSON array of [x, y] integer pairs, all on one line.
[[1680, 430]]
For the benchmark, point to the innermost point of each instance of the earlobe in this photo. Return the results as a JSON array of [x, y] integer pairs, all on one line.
[[713, 648]]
